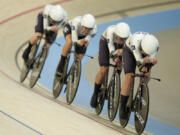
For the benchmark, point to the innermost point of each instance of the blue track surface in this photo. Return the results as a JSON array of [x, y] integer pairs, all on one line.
[[154, 22]]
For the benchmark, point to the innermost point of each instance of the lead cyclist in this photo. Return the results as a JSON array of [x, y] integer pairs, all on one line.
[[140, 50]]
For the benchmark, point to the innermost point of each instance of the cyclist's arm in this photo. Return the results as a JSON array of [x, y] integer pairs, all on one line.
[[74, 34], [110, 43], [91, 35], [137, 54], [46, 23]]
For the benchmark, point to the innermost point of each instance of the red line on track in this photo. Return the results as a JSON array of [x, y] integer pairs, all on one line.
[[86, 116], [29, 11]]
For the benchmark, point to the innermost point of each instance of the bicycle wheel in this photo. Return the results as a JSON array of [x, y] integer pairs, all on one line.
[[124, 122], [101, 95], [141, 107], [24, 72], [73, 81], [59, 81], [26, 66], [37, 67], [113, 96]]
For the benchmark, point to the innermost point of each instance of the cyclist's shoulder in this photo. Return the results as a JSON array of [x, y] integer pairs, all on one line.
[[133, 41], [136, 38], [138, 35], [108, 33], [110, 29], [75, 20]]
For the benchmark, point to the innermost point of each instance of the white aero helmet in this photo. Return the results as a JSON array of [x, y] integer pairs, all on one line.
[[88, 21], [122, 30], [57, 13], [150, 44]]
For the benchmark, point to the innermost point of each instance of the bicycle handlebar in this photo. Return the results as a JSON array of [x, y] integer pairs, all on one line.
[[72, 51], [142, 75]]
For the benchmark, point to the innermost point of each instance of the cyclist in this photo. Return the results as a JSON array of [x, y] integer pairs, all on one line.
[[140, 49], [111, 43], [78, 32], [49, 22]]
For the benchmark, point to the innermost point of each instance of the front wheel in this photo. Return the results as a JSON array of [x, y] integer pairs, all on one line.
[[73, 81], [24, 72], [113, 96], [37, 67], [59, 81], [141, 108]]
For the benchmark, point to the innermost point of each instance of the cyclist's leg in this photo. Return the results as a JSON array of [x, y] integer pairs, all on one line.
[[50, 37], [66, 49], [97, 85], [129, 69], [33, 41], [104, 66]]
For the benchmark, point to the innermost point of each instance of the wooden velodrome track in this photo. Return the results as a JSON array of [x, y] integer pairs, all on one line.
[[25, 111]]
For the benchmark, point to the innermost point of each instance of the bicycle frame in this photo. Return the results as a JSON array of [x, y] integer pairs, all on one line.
[[105, 93]]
